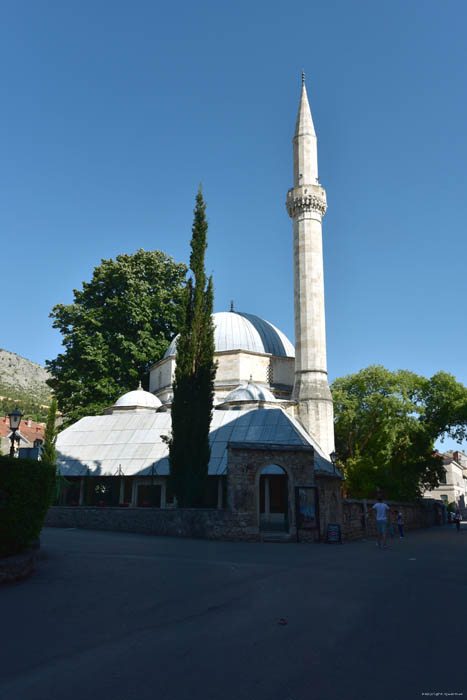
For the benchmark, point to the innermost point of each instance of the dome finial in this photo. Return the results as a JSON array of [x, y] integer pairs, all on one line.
[[140, 386], [232, 306]]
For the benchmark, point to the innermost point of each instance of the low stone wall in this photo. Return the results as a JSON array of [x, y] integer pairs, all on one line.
[[200, 523], [415, 515]]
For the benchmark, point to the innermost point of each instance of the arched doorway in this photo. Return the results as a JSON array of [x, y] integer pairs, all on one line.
[[273, 499]]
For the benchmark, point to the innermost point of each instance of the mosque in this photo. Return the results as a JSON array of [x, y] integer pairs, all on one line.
[[272, 432]]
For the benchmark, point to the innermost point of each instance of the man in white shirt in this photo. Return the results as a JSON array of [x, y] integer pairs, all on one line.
[[381, 521]]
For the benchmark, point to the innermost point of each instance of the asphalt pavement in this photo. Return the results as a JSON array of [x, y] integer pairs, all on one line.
[[126, 616]]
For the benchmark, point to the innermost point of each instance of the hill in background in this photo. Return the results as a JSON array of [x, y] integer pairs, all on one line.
[[23, 385]]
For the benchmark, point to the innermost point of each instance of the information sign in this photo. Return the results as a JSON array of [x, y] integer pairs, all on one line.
[[334, 533], [306, 508]]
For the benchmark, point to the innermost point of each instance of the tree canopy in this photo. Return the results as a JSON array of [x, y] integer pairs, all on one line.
[[118, 324], [386, 426], [194, 375], [48, 453]]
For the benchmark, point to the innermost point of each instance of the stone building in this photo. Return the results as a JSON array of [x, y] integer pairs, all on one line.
[[272, 429], [247, 347], [453, 486]]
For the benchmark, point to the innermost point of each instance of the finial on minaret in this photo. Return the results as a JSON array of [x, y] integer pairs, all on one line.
[[303, 77]]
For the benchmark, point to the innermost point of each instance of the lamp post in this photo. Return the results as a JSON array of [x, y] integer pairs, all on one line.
[[15, 420], [333, 458]]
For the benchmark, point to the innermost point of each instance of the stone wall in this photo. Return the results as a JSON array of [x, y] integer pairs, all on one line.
[[224, 525], [187, 522], [241, 519], [245, 464], [330, 503], [415, 515]]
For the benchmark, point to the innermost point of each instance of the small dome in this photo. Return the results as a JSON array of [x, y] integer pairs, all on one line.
[[249, 391], [238, 331], [138, 397]]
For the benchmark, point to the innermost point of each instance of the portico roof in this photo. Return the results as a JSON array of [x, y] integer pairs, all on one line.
[[133, 443]]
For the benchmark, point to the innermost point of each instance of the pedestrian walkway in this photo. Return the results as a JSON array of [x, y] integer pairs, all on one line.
[[123, 616]]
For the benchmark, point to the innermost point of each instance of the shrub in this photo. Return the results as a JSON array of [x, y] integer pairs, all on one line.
[[26, 492]]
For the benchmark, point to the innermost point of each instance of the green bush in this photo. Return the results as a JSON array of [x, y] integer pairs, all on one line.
[[26, 492]]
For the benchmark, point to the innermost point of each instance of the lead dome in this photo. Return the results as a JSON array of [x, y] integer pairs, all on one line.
[[138, 398], [249, 391], [234, 330]]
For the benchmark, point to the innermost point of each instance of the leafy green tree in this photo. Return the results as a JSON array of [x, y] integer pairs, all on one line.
[[189, 449], [30, 407], [50, 435], [119, 324], [386, 426], [445, 404]]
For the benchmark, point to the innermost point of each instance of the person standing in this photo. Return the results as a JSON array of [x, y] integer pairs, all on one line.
[[400, 524], [382, 510], [457, 520]]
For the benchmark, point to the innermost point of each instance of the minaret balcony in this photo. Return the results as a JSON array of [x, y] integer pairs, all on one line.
[[306, 199]]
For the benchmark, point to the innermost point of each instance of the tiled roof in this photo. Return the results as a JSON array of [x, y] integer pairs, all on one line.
[[30, 432]]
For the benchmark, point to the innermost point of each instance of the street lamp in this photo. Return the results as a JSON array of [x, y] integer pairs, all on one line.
[[333, 458], [15, 420]]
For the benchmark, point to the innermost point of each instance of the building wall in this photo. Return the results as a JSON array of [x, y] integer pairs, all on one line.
[[161, 375], [203, 523], [415, 515], [254, 366], [240, 525], [283, 370], [455, 488], [234, 367], [330, 503], [240, 517], [244, 468]]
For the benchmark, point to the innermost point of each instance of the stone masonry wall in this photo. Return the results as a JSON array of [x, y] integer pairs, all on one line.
[[196, 522], [415, 515], [224, 525], [245, 464]]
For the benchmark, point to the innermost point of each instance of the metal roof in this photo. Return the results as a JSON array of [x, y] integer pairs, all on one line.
[[138, 397], [238, 331], [249, 391], [132, 442]]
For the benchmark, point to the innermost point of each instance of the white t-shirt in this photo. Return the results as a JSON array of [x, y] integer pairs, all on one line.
[[381, 509]]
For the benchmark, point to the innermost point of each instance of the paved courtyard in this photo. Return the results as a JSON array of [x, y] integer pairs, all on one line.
[[121, 616]]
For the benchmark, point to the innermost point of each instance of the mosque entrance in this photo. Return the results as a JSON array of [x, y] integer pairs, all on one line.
[[273, 499]]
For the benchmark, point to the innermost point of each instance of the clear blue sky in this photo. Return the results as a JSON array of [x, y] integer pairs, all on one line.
[[114, 111]]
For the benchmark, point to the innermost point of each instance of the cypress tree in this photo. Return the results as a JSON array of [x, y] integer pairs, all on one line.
[[189, 450], [50, 435]]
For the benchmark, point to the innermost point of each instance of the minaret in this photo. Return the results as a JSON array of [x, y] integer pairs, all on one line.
[[306, 205]]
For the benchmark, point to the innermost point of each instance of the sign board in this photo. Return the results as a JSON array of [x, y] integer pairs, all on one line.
[[334, 533], [306, 508]]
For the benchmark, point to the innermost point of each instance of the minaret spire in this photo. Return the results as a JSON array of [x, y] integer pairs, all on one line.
[[306, 205], [305, 143]]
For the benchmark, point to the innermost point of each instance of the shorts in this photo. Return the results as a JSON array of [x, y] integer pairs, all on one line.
[[381, 527]]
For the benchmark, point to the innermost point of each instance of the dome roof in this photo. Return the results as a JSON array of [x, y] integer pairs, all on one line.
[[139, 397], [238, 331], [249, 391]]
